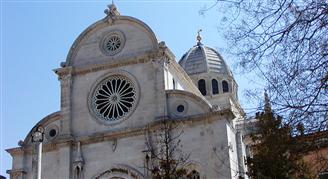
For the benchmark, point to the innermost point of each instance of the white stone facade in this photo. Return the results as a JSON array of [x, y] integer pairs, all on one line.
[[78, 144]]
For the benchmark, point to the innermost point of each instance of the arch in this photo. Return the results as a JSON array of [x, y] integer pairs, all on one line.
[[44, 123], [202, 86], [193, 168], [194, 174], [188, 96], [225, 86], [104, 23], [215, 86], [120, 172]]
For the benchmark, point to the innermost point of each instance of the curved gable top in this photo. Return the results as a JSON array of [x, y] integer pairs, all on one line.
[[86, 49], [43, 122]]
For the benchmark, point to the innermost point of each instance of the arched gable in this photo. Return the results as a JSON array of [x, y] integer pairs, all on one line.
[[46, 122], [183, 103], [137, 37]]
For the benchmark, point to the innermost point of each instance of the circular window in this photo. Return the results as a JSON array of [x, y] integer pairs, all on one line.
[[113, 98], [180, 108], [52, 133], [112, 43]]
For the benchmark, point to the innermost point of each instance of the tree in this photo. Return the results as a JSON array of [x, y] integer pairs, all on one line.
[[284, 42], [166, 159], [276, 152]]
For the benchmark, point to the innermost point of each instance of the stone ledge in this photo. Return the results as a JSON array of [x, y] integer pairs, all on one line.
[[124, 132]]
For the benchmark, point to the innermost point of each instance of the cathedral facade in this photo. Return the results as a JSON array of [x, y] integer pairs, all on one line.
[[117, 84]]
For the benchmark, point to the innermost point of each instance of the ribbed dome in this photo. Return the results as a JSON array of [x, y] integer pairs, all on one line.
[[203, 59]]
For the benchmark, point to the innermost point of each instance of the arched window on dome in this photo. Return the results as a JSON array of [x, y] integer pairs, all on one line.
[[225, 86], [174, 85], [202, 86], [193, 175], [215, 86]]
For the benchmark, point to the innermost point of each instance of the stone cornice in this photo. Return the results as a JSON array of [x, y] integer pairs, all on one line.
[[111, 135], [63, 72], [144, 58], [27, 149], [15, 151], [16, 172], [140, 130]]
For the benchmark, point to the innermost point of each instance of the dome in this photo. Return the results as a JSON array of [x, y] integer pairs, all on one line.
[[203, 59]]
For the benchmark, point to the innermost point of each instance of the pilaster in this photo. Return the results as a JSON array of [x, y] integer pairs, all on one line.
[[66, 80]]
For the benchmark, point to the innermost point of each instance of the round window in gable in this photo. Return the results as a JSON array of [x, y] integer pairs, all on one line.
[[112, 43], [51, 131], [180, 108], [113, 99]]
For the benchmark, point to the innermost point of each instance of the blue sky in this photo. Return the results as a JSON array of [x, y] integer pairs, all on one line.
[[36, 37]]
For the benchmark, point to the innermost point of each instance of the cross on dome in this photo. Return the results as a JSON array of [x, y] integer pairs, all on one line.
[[199, 38]]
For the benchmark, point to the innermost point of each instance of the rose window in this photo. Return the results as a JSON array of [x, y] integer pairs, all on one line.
[[114, 98], [112, 43]]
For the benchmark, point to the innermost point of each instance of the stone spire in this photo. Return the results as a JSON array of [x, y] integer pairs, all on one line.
[[267, 105]]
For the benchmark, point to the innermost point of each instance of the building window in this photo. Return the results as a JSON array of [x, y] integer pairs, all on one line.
[[215, 87], [174, 86], [52, 133], [193, 175], [114, 98], [180, 108], [202, 86], [112, 43], [225, 86]]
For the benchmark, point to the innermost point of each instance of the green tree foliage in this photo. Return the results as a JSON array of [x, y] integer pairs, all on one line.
[[276, 154]]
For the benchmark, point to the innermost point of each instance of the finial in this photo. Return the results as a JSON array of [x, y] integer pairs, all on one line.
[[112, 10], [199, 38], [267, 105], [78, 157]]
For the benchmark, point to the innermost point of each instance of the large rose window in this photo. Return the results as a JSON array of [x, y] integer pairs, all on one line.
[[113, 98]]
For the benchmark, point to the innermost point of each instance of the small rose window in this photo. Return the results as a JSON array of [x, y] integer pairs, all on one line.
[[112, 43]]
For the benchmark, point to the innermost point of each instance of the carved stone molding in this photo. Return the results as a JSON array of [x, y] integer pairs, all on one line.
[[16, 173], [63, 73], [120, 171]]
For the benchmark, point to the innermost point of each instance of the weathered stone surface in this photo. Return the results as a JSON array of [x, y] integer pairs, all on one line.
[[163, 90]]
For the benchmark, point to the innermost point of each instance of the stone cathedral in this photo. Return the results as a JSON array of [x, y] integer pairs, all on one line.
[[117, 83]]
